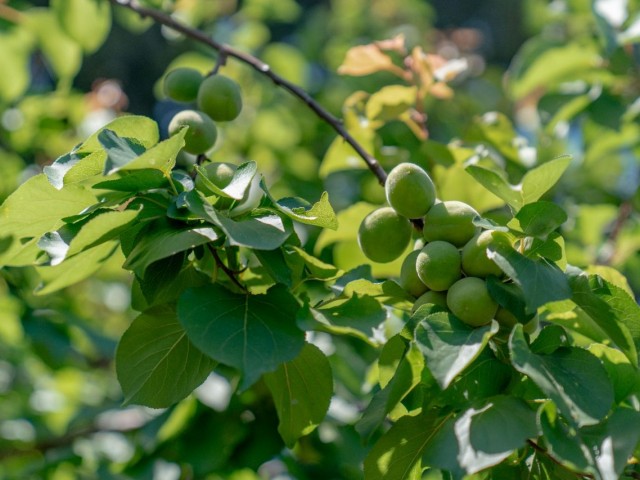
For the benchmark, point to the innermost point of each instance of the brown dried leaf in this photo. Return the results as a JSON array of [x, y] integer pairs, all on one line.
[[367, 59], [395, 44]]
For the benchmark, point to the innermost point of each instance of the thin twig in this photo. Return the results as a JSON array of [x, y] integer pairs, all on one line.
[[264, 69], [230, 273], [10, 14]]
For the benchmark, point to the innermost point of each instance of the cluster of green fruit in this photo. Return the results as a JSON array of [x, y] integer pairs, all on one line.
[[217, 97], [450, 265]]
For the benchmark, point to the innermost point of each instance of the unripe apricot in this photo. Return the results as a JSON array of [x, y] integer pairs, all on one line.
[[202, 132], [384, 235], [182, 84], [438, 265], [451, 221], [475, 262], [435, 298], [409, 279], [469, 300], [410, 190], [220, 98]]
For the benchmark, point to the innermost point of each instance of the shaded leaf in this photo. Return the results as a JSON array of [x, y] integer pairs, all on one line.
[[538, 181], [156, 363], [539, 219]]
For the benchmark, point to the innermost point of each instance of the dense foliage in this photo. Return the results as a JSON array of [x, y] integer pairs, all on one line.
[[229, 286]]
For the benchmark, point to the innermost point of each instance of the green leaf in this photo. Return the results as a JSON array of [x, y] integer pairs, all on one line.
[[120, 150], [615, 312], [539, 219], [320, 214], [573, 378], [156, 363], [496, 184], [541, 281], [16, 45], [390, 102], [237, 186], [36, 208], [624, 376], [253, 333], [538, 181], [405, 378], [262, 231], [88, 22], [449, 345], [163, 240], [101, 228], [341, 156], [489, 434], [359, 316], [62, 53], [74, 269], [141, 129], [161, 156], [399, 450], [301, 390], [316, 267], [135, 181]]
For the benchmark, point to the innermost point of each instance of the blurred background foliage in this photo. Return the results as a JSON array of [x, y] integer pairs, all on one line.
[[542, 79]]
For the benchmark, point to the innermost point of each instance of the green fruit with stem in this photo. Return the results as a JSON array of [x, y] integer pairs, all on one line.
[[451, 221], [435, 298], [475, 262], [182, 84], [220, 98], [410, 190], [384, 235], [202, 132], [409, 279], [438, 265], [469, 300]]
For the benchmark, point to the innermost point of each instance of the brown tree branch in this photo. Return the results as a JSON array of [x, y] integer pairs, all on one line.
[[608, 250], [263, 68]]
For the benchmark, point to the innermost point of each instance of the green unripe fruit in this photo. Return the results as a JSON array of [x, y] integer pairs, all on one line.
[[220, 98], [451, 221], [202, 132], [469, 300], [218, 173], [410, 190], [409, 279], [182, 84], [438, 265], [384, 235], [475, 262], [435, 298]]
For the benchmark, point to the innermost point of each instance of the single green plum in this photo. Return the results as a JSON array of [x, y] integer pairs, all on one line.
[[469, 300], [438, 265], [451, 221], [202, 132], [220, 98], [410, 190], [384, 235]]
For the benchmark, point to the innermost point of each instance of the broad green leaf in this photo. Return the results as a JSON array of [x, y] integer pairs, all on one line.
[[316, 267], [320, 214], [238, 185], [161, 156], [510, 297], [390, 102], [120, 150], [496, 184], [573, 378], [489, 434], [62, 53], [615, 312], [135, 181], [253, 333], [541, 281], [552, 248], [387, 292], [88, 22], [262, 232], [16, 45], [624, 376], [141, 129], [102, 228], [538, 219], [74, 269], [156, 363], [449, 345], [406, 377], [359, 316], [555, 65], [166, 279], [550, 339], [398, 451], [164, 240], [341, 156], [538, 181], [455, 183], [302, 389]]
